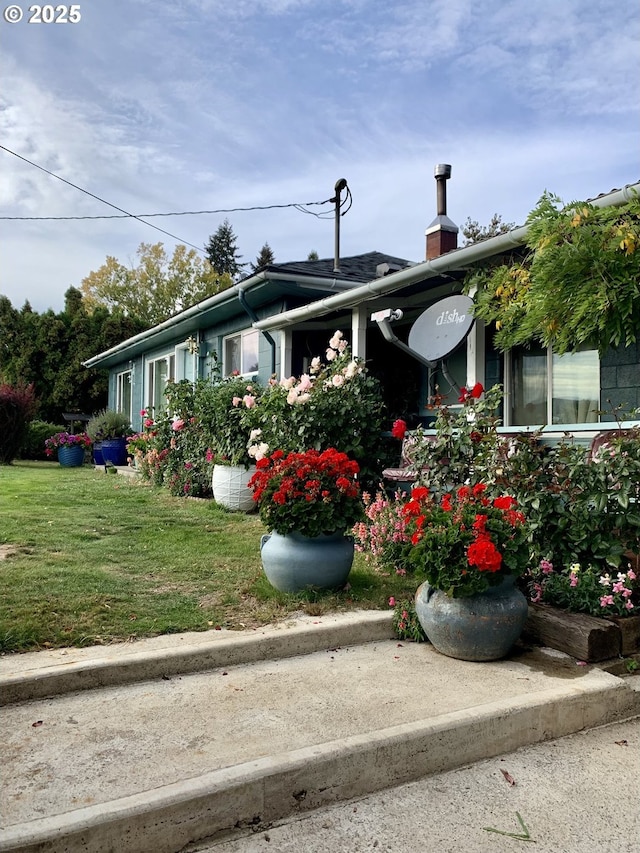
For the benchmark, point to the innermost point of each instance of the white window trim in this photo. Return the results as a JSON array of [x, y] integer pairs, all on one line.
[[508, 391], [119, 380], [148, 389], [241, 334]]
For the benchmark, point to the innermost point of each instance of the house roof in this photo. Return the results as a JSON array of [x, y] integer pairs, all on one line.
[[417, 276], [356, 267], [316, 278]]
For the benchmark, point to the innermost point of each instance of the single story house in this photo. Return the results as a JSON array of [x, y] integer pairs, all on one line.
[[276, 320]]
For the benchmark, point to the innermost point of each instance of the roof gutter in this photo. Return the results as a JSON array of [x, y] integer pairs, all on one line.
[[210, 302], [187, 314], [454, 260]]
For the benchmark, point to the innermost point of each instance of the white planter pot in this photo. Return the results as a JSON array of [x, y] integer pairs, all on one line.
[[230, 489]]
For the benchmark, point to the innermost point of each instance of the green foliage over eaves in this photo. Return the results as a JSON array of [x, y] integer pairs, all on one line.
[[578, 284]]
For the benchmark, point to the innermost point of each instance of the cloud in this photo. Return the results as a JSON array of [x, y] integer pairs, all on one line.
[[204, 104]]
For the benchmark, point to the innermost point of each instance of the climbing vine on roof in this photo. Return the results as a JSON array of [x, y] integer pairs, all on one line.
[[579, 282]]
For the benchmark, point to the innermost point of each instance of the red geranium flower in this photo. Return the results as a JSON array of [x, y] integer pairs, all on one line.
[[399, 429]]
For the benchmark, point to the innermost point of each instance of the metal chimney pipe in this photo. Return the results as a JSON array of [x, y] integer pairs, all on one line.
[[442, 173]]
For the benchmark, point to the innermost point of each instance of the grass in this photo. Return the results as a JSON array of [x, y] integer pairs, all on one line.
[[88, 558]]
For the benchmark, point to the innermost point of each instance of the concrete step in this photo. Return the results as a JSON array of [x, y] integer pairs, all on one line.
[[183, 738]]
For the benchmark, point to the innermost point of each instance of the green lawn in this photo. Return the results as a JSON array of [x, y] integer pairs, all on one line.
[[88, 558]]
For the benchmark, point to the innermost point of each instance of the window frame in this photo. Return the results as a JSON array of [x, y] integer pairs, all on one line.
[[509, 391], [243, 334], [158, 406], [120, 395]]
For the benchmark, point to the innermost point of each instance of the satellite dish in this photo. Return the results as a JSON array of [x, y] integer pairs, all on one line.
[[442, 327]]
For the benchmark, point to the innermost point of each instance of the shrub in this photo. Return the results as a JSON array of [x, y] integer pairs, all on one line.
[[17, 408], [107, 425], [33, 446]]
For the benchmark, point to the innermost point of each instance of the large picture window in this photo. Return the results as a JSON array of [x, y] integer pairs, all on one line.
[[159, 372], [123, 393], [241, 353], [546, 388]]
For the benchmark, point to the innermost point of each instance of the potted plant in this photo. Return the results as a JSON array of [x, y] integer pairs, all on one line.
[[337, 404], [224, 409], [110, 429], [308, 501], [470, 549], [70, 448]]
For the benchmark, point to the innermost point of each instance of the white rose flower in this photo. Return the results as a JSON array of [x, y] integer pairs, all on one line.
[[350, 370]]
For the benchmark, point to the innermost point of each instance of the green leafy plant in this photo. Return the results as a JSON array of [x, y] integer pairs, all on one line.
[[585, 589], [108, 424], [337, 404], [405, 622], [575, 285], [33, 446], [461, 445], [312, 493], [381, 536]]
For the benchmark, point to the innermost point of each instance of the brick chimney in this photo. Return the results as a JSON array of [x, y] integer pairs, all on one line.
[[442, 234]]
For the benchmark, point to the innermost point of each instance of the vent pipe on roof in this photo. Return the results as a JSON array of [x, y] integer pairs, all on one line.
[[442, 174]]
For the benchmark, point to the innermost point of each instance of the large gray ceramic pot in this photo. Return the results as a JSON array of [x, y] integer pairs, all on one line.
[[295, 562], [477, 628]]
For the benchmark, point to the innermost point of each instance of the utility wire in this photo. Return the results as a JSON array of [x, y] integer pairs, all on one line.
[[114, 206], [298, 206], [125, 215]]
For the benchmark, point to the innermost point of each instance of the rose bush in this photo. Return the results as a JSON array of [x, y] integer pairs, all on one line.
[[337, 404]]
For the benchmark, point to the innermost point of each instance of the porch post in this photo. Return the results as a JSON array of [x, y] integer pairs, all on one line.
[[286, 346], [476, 354], [359, 316]]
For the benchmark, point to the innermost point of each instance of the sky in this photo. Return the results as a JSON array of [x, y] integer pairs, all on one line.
[[192, 105]]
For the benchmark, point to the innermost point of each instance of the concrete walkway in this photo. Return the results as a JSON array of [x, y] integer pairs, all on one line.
[[158, 744]]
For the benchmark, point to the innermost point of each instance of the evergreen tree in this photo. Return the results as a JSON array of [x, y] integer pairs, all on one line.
[[47, 351], [264, 259], [222, 252], [473, 232], [313, 256]]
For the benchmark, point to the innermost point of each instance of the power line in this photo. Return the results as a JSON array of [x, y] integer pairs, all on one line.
[[297, 205], [301, 207], [114, 206]]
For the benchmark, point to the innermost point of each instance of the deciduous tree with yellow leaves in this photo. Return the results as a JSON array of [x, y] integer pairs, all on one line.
[[157, 286]]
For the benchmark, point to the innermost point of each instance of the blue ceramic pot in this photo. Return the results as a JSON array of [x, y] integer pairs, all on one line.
[[71, 456], [476, 628], [98, 458], [114, 450], [295, 562]]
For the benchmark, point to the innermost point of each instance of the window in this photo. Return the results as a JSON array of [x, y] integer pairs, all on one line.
[[553, 389], [159, 372], [241, 353], [123, 393]]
